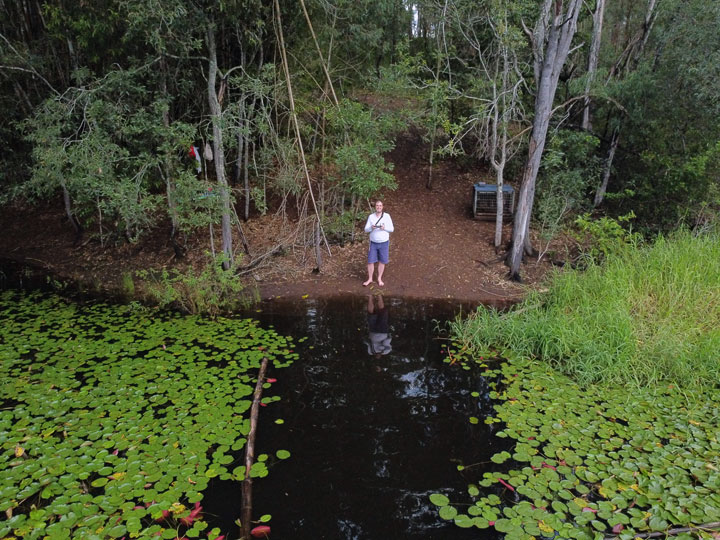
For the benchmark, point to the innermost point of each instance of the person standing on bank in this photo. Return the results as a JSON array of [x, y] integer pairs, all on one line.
[[379, 225]]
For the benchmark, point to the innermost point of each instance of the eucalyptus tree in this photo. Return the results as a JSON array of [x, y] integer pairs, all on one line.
[[496, 89], [506, 126], [551, 43]]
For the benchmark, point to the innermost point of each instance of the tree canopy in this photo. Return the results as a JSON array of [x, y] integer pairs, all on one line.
[[105, 100]]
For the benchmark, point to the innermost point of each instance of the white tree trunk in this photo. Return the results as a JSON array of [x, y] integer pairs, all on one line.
[[593, 60], [67, 201], [562, 30], [600, 193], [216, 115]]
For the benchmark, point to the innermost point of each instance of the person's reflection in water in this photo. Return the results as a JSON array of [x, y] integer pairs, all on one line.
[[379, 329]]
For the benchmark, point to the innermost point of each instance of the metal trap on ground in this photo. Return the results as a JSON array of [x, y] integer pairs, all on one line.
[[484, 201]]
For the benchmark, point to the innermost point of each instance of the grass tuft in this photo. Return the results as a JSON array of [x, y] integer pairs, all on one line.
[[647, 317]]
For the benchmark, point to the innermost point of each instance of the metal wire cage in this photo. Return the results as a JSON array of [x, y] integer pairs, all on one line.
[[484, 201]]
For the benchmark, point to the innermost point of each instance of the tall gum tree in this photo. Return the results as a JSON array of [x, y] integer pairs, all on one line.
[[497, 70], [558, 21], [218, 148]]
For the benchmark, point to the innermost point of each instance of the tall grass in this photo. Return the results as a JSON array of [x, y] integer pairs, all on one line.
[[647, 317]]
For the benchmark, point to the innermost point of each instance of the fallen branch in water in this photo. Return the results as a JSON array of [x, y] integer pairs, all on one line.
[[246, 512], [674, 532]]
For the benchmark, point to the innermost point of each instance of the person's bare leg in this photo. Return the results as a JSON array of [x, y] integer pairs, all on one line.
[[371, 267], [371, 304], [381, 269]]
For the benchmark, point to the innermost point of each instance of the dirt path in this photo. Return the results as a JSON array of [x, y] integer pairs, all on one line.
[[438, 251]]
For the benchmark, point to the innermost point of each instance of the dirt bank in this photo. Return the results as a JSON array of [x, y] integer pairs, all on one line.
[[438, 251]]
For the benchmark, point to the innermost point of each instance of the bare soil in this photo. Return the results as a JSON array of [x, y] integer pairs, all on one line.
[[438, 251]]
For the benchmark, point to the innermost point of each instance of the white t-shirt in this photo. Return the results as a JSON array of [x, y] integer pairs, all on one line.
[[379, 235], [379, 343]]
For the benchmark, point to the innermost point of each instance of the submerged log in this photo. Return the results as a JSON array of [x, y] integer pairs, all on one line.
[[246, 512], [674, 532]]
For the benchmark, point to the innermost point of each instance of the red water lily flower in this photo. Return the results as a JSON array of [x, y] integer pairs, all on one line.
[[194, 514], [261, 531]]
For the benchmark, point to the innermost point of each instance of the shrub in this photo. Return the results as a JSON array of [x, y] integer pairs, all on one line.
[[210, 291]]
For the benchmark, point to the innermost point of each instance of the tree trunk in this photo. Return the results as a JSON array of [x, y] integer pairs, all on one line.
[[499, 216], [593, 60], [246, 162], [169, 186], [246, 509], [70, 214], [562, 30], [320, 54], [600, 193], [500, 141], [216, 114], [435, 98]]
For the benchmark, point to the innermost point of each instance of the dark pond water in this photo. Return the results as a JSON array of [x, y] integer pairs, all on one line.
[[374, 419], [371, 435]]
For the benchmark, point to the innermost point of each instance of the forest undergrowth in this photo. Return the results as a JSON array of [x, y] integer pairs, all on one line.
[[644, 317], [607, 382]]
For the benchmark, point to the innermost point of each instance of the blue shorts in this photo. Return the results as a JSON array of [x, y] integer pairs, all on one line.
[[379, 252]]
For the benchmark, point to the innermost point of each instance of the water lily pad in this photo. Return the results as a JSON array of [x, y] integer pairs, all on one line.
[[135, 408]]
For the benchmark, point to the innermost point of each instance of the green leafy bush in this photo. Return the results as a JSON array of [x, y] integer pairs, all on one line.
[[362, 138], [600, 238], [210, 291], [569, 170]]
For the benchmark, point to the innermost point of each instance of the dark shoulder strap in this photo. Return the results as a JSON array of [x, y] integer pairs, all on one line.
[[381, 216]]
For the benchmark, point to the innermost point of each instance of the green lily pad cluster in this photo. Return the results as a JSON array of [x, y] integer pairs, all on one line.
[[113, 422], [591, 463]]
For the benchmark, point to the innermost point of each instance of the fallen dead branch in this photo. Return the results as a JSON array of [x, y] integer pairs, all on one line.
[[674, 532], [246, 512], [252, 265]]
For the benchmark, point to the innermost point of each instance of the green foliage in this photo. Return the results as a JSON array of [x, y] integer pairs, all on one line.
[[210, 292], [370, 30], [117, 417], [645, 318], [105, 150], [397, 79], [591, 461], [362, 140], [128, 285], [340, 227], [569, 170], [605, 236], [669, 137], [198, 202], [111, 97]]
